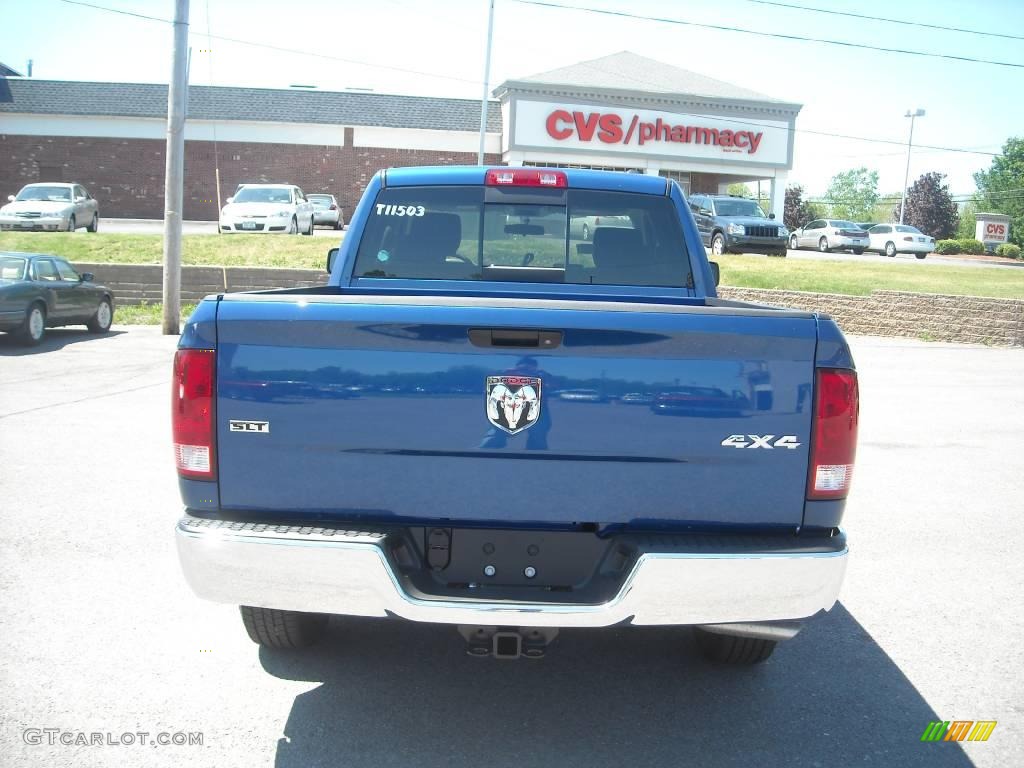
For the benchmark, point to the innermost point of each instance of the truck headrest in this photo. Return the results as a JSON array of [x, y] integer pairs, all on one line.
[[616, 247], [436, 235]]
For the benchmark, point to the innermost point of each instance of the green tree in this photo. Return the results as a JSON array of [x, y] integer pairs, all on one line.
[[1001, 187], [966, 228], [739, 188], [853, 194], [930, 207], [797, 211]]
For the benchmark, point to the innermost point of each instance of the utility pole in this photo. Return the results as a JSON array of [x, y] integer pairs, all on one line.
[[906, 174], [175, 171], [487, 82]]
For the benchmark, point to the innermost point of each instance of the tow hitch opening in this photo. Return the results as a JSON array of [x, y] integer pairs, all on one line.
[[507, 642]]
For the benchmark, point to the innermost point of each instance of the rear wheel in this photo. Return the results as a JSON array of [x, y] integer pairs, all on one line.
[[100, 322], [95, 225], [273, 628], [717, 244], [920, 255], [34, 327], [726, 649], [858, 251], [890, 250], [823, 245]]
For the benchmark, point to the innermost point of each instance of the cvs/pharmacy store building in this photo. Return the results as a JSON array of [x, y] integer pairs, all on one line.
[[630, 113], [623, 112]]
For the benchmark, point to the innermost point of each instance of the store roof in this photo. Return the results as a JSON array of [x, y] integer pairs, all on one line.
[[627, 71], [63, 97]]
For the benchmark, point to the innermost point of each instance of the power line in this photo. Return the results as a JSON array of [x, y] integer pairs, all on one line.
[[887, 21], [422, 73], [117, 10], [777, 35]]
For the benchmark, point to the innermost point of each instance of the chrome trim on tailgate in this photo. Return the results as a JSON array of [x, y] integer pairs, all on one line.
[[321, 570]]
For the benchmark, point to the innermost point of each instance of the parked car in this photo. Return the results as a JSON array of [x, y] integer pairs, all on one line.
[[513, 512], [38, 291], [267, 208], [829, 235], [51, 207], [730, 223], [891, 239], [327, 211]]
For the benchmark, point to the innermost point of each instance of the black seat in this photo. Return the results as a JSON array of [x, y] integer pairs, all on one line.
[[619, 255], [431, 239]]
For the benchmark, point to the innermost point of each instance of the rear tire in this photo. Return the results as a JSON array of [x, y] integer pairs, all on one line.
[[33, 329], [100, 322], [858, 251], [920, 255], [727, 649], [274, 628]]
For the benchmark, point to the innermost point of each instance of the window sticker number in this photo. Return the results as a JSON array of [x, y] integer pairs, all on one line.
[[400, 210]]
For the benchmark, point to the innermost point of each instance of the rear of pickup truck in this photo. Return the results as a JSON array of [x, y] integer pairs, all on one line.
[[496, 419]]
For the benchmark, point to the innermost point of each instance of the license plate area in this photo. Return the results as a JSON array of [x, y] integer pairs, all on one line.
[[248, 225], [512, 564]]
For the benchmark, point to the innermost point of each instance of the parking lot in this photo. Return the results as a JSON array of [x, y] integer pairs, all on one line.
[[101, 633]]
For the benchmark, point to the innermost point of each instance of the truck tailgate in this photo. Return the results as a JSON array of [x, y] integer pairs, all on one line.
[[376, 408]]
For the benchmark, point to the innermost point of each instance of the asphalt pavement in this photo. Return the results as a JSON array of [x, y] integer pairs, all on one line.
[[102, 635]]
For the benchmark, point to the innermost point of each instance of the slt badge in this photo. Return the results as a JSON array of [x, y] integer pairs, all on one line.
[[513, 402]]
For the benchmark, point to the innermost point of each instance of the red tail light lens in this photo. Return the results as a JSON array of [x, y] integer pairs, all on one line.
[[333, 208], [834, 434], [192, 422], [525, 177]]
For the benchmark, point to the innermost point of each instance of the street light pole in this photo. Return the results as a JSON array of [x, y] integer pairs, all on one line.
[[906, 174], [487, 78]]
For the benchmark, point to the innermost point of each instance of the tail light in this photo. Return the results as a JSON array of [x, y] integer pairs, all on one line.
[[525, 177], [597, 220], [833, 434], [333, 208], [192, 421], [909, 239]]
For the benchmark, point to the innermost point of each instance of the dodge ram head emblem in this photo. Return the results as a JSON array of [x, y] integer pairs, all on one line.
[[513, 402]]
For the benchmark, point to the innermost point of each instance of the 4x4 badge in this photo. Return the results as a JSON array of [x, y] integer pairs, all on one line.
[[513, 402]]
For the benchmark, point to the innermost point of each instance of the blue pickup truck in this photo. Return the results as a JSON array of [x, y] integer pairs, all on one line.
[[410, 439]]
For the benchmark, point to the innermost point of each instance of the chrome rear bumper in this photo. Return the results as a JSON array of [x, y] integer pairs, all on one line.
[[321, 570]]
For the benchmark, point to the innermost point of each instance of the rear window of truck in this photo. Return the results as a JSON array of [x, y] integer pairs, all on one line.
[[572, 236]]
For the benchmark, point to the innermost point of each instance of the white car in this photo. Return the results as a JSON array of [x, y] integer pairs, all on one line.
[[891, 239], [830, 235], [50, 207], [268, 208]]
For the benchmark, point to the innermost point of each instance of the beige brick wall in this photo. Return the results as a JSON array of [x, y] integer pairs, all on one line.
[[969, 319], [884, 313]]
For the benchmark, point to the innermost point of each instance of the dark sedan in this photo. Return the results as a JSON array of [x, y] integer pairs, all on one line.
[[38, 291]]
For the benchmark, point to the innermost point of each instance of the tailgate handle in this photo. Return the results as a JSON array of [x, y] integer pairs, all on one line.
[[516, 338]]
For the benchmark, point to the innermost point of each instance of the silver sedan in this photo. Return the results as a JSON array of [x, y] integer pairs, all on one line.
[[327, 211], [51, 207]]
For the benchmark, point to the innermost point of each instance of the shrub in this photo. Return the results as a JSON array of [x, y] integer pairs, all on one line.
[[1009, 250], [972, 246], [947, 246]]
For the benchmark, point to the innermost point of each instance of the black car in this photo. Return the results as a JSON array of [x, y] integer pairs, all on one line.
[[730, 223], [38, 291]]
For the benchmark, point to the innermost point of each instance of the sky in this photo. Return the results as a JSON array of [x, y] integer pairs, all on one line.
[[437, 48]]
